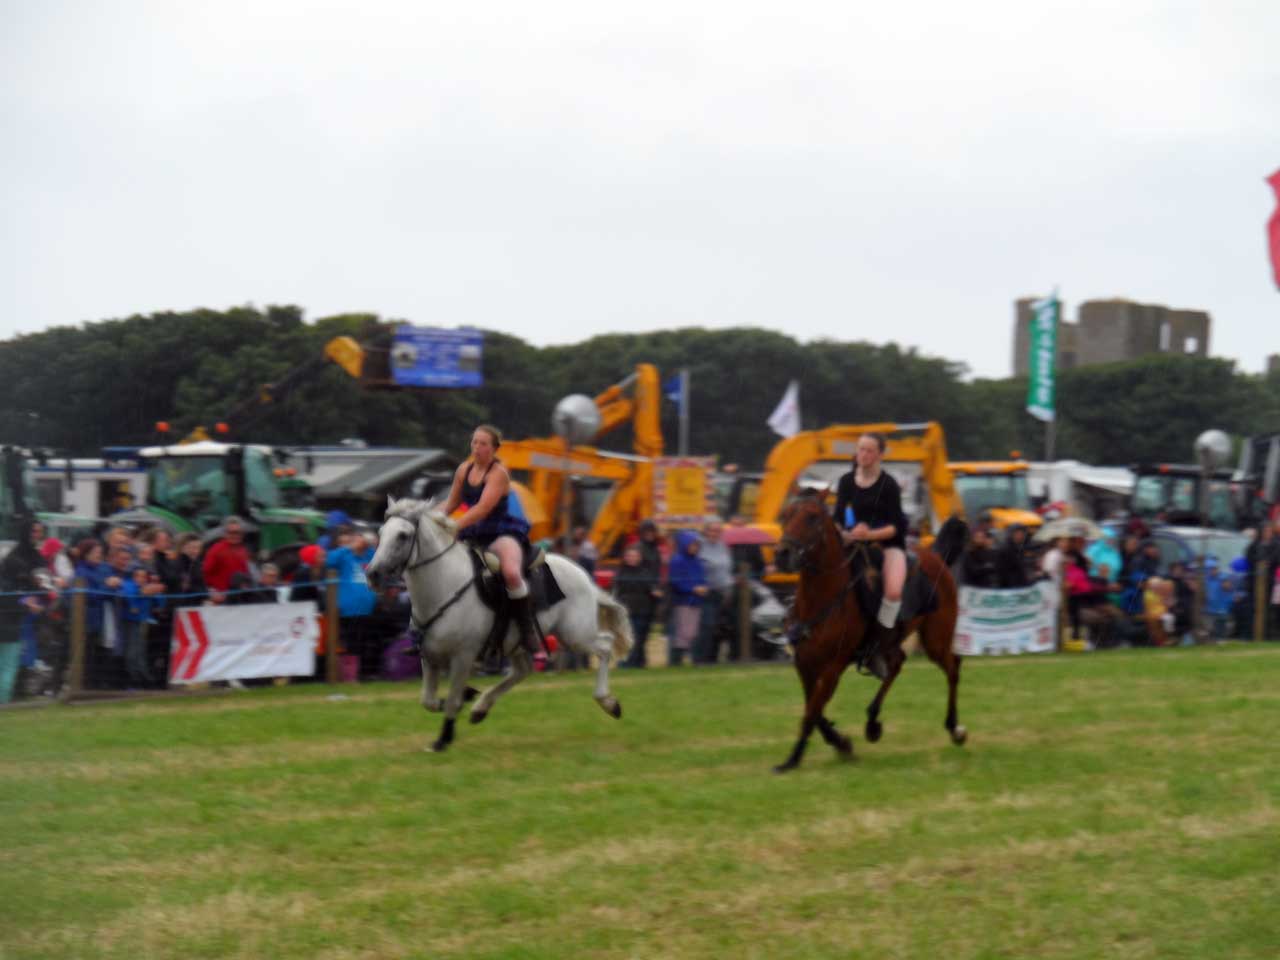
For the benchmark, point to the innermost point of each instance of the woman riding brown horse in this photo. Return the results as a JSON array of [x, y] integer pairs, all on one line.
[[831, 627]]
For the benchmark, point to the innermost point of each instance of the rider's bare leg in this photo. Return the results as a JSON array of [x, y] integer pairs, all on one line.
[[882, 634], [511, 558]]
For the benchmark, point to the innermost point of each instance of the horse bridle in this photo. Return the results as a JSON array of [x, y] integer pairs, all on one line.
[[426, 625], [410, 565]]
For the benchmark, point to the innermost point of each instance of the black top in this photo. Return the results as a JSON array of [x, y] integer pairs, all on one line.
[[1012, 565], [499, 522], [879, 505], [471, 492], [980, 568], [634, 588]]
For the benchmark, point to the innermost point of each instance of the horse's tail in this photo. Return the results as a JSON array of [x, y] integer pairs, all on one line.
[[613, 619], [952, 539]]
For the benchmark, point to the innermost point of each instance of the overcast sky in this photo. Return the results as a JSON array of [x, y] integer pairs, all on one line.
[[556, 170]]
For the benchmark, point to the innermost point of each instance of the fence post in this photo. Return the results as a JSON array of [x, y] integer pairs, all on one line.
[[74, 682], [744, 612], [1260, 599], [331, 626]]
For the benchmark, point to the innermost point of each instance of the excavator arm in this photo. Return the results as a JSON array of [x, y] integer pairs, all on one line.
[[547, 461], [344, 352]]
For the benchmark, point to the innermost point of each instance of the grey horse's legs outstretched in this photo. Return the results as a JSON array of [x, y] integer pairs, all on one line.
[[521, 667], [459, 671]]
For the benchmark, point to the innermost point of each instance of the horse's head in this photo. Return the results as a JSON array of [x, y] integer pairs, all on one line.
[[806, 529], [412, 532]]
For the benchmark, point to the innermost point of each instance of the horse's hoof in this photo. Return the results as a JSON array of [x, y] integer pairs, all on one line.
[[959, 735], [785, 767], [469, 694], [440, 746], [611, 706], [433, 706], [477, 716], [874, 731], [844, 747]]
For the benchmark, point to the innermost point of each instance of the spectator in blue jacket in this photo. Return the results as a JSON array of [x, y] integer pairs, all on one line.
[[335, 521], [687, 581], [137, 604], [355, 601], [1219, 588], [101, 584]]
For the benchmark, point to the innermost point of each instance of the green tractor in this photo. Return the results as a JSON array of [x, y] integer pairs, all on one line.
[[193, 486]]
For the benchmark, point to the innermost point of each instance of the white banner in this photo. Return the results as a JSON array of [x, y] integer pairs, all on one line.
[[243, 641], [1007, 621]]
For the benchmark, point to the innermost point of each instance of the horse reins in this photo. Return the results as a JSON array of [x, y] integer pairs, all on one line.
[[422, 628], [806, 627], [423, 563]]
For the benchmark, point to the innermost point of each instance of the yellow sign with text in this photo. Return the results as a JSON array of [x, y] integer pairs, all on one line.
[[683, 492]]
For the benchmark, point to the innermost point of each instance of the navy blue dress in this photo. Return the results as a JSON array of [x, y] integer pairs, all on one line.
[[500, 522]]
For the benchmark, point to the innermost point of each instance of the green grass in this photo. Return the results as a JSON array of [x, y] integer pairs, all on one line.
[[1110, 805]]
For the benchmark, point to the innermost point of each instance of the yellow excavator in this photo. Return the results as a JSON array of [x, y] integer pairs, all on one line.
[[997, 488], [608, 492], [915, 454]]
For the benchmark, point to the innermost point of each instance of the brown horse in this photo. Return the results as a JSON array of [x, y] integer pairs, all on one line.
[[830, 625]]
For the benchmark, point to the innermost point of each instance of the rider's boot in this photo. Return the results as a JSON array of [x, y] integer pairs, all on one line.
[[522, 613], [880, 644]]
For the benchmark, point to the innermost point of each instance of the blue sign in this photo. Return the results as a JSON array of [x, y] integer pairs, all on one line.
[[431, 357]]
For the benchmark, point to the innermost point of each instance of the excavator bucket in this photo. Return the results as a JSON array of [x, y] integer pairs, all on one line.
[[347, 354]]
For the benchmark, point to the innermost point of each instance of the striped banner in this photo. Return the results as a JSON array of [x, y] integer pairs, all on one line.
[[240, 642]]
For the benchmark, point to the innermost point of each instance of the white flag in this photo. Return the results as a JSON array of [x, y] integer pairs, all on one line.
[[785, 419]]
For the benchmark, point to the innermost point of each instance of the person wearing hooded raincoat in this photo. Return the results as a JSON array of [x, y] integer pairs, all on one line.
[[687, 581]]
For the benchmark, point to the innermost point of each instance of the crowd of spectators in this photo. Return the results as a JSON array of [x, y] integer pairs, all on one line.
[[134, 580], [1121, 590], [687, 582]]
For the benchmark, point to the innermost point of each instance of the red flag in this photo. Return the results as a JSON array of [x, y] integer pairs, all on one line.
[[1273, 227]]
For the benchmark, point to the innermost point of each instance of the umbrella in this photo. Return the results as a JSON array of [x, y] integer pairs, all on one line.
[[1069, 527], [734, 536]]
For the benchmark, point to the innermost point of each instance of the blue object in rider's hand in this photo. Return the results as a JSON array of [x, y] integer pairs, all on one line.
[[848, 517]]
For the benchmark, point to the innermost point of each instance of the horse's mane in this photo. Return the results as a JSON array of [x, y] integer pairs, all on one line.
[[415, 510]]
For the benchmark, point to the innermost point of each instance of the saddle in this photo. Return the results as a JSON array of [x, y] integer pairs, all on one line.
[[537, 573], [919, 596]]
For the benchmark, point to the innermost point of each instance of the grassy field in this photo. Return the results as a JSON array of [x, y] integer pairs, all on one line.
[[1112, 805]]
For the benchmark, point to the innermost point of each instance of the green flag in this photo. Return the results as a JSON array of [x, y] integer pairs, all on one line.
[[1044, 343]]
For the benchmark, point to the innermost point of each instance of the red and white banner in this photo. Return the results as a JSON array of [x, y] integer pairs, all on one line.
[[240, 642]]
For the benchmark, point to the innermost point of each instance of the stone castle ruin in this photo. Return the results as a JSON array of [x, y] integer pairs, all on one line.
[[1109, 331]]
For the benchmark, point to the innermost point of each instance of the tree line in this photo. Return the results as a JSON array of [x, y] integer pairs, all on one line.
[[77, 389]]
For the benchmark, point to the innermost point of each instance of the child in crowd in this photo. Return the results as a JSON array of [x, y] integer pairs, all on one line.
[[636, 587], [1157, 606], [136, 613]]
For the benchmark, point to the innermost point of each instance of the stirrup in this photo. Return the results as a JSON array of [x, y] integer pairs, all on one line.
[[873, 647]]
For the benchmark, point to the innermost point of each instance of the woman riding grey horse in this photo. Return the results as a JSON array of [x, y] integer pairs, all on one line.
[[483, 484]]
